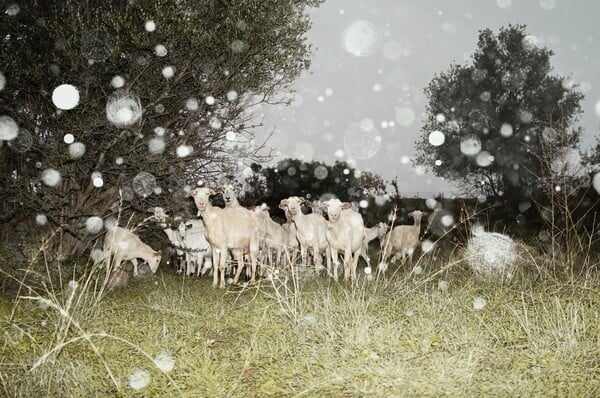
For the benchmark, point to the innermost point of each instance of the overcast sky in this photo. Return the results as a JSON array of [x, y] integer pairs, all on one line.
[[363, 97]]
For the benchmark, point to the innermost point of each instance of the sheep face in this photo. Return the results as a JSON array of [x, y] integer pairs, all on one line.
[[159, 214], [382, 229], [229, 195], [201, 197], [293, 205], [334, 209]]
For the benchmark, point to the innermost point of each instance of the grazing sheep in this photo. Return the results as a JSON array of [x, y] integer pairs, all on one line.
[[123, 244], [346, 233], [311, 232], [227, 229], [378, 231], [403, 239], [160, 216]]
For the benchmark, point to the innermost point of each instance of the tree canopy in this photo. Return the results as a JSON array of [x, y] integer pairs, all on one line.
[[485, 121], [160, 94]]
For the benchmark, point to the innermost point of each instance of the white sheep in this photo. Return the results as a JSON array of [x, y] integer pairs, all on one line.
[[226, 229], [198, 252], [272, 233], [311, 232], [403, 239], [123, 244], [345, 233]]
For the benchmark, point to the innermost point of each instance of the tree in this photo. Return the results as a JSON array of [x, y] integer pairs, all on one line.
[[164, 90], [485, 121]]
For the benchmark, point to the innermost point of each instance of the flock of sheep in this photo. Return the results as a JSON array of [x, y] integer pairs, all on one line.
[[251, 234]]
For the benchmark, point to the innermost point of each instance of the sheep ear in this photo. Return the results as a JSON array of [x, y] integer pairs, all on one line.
[[151, 210], [302, 200], [346, 205], [212, 192], [191, 193], [283, 203]]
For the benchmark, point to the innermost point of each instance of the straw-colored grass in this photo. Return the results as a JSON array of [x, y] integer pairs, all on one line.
[[305, 336]]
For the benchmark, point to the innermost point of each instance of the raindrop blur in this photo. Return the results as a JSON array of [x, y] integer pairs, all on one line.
[[320, 172], [76, 150], [184, 150], [436, 138], [210, 100], [41, 219], [51, 177], [362, 140], [22, 142], [484, 159], [405, 116], [470, 145], [94, 224], [392, 50], [144, 184], [168, 72], [547, 4], [160, 50], [506, 130], [117, 82], [150, 26], [123, 109], [139, 379], [65, 97], [8, 128], [12, 10], [97, 180], [360, 37], [530, 42], [478, 303], [156, 146], [504, 3], [232, 95]]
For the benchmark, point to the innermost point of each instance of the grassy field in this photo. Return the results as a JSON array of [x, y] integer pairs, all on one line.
[[440, 333]]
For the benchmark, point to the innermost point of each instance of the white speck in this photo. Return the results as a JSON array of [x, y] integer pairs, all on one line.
[[328, 92], [184, 150], [238, 46], [164, 361], [506, 130], [427, 246], [8, 128], [97, 180], [447, 220], [377, 87], [150, 26], [478, 303], [230, 136], [210, 100], [117, 82], [51, 177], [159, 131], [119, 161], [160, 50], [443, 285], [382, 267], [320, 172], [215, 123], [530, 42], [229, 281], [436, 138], [2, 81], [417, 270], [232, 95], [139, 379], [191, 104], [339, 153], [73, 284], [368, 270], [597, 108], [41, 219], [94, 224], [156, 146], [168, 72], [68, 138], [440, 118], [596, 182], [65, 96], [504, 3], [548, 4], [76, 150]]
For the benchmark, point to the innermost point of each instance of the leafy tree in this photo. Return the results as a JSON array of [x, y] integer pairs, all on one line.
[[164, 91], [485, 121]]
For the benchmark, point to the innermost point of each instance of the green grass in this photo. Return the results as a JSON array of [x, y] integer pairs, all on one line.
[[398, 336]]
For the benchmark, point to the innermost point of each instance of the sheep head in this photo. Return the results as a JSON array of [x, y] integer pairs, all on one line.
[[334, 208]]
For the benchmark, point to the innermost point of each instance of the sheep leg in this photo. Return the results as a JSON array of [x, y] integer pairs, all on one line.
[[240, 266], [347, 263], [334, 260], [135, 266], [217, 265]]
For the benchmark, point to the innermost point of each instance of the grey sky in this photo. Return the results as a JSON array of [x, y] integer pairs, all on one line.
[[373, 58]]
